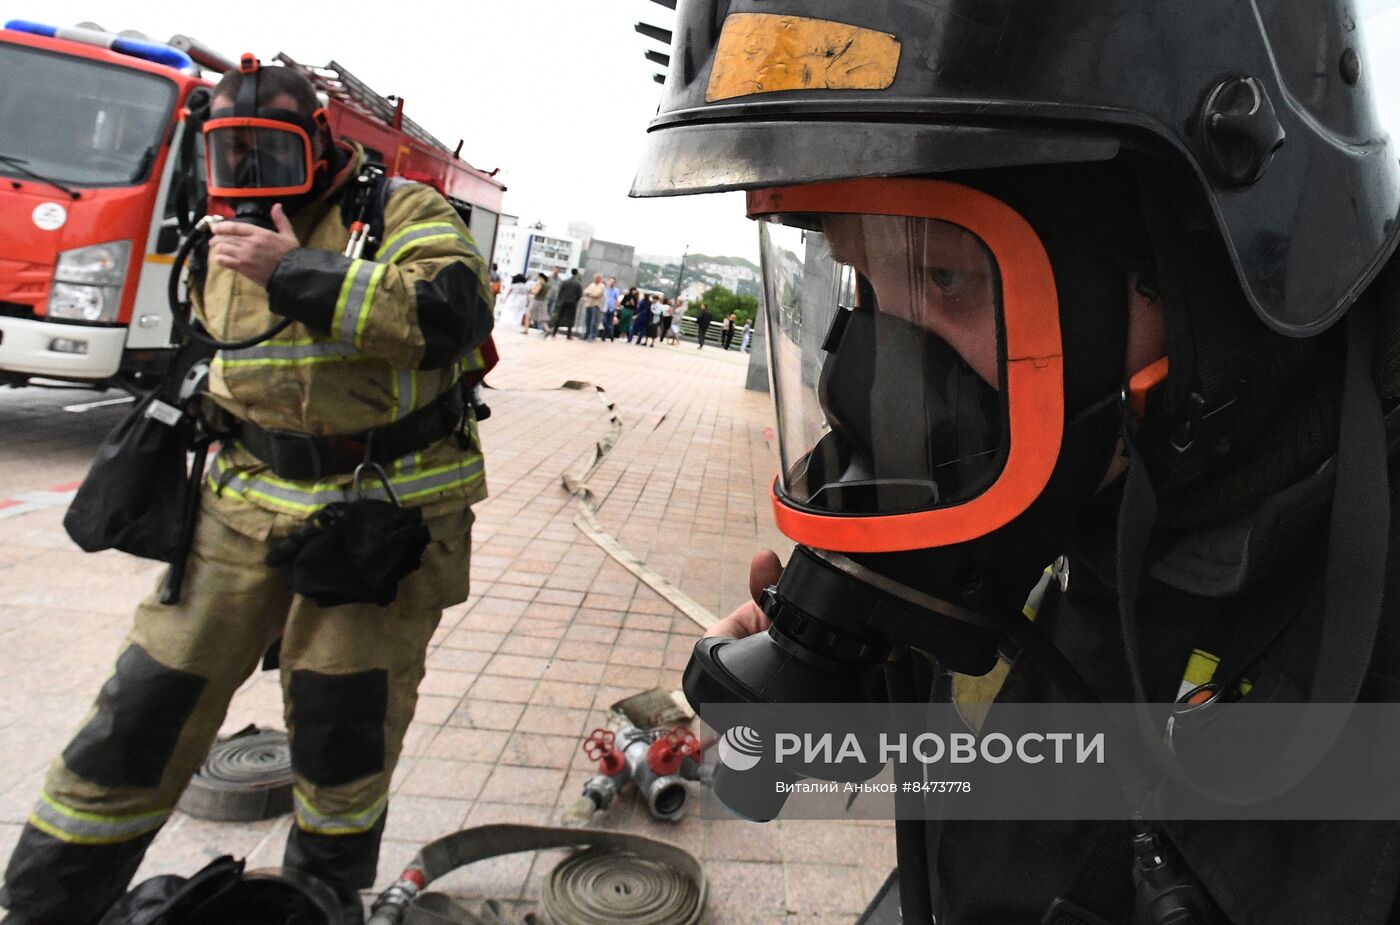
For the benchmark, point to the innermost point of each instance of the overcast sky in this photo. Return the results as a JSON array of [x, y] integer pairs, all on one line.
[[554, 92]]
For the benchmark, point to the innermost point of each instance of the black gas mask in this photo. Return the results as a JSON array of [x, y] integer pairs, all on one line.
[[936, 444]]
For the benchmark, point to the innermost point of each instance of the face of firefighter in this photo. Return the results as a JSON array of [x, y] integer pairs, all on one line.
[[928, 273], [242, 143], [935, 275]]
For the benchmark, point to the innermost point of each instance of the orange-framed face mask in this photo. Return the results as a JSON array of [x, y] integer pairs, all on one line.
[[260, 152], [263, 156], [915, 357]]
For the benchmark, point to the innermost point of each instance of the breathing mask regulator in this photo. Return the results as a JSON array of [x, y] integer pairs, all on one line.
[[255, 156]]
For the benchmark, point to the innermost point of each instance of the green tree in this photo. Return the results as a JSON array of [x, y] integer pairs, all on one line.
[[722, 301]]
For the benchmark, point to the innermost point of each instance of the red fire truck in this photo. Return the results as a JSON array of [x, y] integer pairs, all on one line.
[[88, 171]]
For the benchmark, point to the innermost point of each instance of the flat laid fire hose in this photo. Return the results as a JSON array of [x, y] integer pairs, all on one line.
[[575, 480], [619, 879]]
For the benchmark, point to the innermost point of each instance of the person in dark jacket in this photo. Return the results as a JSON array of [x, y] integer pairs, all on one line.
[[726, 334], [702, 324], [641, 322], [570, 291], [627, 310]]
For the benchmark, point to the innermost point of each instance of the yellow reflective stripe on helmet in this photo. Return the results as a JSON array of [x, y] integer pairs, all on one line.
[[306, 497], [81, 828], [413, 235], [310, 819], [770, 52]]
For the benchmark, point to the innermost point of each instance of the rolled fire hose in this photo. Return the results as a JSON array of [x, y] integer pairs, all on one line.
[[246, 777], [619, 879]]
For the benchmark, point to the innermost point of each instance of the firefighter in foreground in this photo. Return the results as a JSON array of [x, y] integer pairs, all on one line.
[[369, 373], [1105, 287]]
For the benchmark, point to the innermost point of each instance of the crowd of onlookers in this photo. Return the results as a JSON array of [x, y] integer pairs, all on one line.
[[602, 310]]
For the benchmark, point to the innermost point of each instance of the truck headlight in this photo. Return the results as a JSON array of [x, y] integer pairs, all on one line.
[[87, 282]]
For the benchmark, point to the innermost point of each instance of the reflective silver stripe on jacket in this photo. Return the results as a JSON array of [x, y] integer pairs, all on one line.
[[296, 497], [77, 827], [354, 301], [413, 234], [289, 354], [310, 819]]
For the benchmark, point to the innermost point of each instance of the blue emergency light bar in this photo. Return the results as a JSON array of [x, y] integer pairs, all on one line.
[[148, 51]]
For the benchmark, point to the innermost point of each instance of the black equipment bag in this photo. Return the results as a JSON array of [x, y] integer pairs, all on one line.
[[353, 552], [223, 893], [135, 496], [170, 899]]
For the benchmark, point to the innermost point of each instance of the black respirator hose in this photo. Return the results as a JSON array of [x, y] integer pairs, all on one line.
[[182, 310]]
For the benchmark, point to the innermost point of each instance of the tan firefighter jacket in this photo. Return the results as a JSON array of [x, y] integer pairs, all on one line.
[[372, 341]]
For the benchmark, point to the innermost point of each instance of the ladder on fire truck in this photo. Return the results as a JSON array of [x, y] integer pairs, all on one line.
[[337, 82]]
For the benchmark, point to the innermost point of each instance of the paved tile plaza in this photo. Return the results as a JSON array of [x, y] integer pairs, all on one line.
[[553, 633]]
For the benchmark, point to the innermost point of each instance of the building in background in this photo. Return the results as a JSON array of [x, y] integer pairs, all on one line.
[[611, 259], [583, 231], [531, 250]]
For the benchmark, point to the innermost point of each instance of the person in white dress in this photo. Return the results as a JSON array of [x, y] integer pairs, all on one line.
[[514, 304]]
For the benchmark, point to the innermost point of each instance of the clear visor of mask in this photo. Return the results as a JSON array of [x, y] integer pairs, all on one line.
[[886, 351], [257, 159]]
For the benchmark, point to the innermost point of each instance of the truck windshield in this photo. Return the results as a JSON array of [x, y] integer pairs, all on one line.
[[78, 121]]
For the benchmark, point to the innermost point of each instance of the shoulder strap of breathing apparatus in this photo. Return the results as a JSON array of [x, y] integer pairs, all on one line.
[[362, 210]]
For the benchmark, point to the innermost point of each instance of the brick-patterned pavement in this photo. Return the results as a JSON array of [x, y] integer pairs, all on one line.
[[553, 633]]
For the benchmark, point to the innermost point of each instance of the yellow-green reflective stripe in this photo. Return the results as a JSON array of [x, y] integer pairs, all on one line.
[[414, 234], [310, 819], [407, 230], [350, 307], [304, 361], [419, 240], [276, 354], [474, 361], [342, 301], [296, 497], [367, 303], [78, 827]]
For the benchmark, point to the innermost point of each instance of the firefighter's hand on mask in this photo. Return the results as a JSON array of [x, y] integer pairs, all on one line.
[[255, 252], [747, 620]]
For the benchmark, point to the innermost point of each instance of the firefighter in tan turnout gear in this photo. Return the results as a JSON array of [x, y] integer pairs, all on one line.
[[370, 370]]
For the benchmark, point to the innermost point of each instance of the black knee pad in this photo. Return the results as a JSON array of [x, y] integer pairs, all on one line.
[[141, 711], [338, 725]]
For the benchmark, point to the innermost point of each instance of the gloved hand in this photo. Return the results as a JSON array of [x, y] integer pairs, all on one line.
[[748, 619]]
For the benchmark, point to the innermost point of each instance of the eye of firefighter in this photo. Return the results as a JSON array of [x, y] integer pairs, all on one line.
[[945, 278], [927, 272]]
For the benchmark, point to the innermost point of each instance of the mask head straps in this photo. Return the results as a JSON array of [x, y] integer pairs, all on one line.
[[246, 104]]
